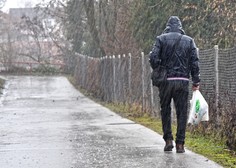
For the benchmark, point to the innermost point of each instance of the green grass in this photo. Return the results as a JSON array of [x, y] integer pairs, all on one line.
[[212, 148], [2, 81]]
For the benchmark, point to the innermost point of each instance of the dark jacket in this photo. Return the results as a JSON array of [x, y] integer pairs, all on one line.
[[185, 60]]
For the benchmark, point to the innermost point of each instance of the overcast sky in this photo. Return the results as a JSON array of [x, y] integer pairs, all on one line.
[[19, 4]]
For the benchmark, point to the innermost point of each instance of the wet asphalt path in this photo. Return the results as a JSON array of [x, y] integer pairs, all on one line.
[[46, 123]]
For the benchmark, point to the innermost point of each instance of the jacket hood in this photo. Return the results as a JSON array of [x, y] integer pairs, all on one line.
[[174, 25]]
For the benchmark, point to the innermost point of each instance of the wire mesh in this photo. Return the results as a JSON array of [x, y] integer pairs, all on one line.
[[119, 78]]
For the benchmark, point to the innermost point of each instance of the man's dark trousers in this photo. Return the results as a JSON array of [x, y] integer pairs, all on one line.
[[178, 90]]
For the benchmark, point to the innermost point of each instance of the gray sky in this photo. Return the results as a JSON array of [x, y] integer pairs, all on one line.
[[19, 4]]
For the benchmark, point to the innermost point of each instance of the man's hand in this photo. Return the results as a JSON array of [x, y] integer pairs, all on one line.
[[195, 88]]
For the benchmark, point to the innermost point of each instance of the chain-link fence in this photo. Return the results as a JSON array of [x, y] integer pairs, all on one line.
[[126, 78], [120, 79]]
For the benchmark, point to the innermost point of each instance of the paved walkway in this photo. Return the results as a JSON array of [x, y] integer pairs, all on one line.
[[46, 123]]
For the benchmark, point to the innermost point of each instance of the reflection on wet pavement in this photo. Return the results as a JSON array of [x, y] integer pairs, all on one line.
[[47, 123]]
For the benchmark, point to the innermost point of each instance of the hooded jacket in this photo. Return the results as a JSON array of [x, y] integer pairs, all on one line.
[[184, 62]]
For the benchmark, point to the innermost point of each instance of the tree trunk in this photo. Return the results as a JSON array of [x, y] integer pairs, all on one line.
[[90, 11]]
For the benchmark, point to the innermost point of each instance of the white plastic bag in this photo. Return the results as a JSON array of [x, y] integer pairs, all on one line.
[[198, 109]]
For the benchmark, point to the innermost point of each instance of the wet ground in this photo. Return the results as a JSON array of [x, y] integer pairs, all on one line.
[[46, 123]]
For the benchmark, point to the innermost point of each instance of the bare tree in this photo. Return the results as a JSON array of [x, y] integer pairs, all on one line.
[[6, 43], [57, 33], [33, 32]]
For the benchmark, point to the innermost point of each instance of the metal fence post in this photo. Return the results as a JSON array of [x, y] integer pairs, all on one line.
[[85, 58], [217, 79], [114, 78], [129, 78], [119, 78], [143, 82], [152, 98]]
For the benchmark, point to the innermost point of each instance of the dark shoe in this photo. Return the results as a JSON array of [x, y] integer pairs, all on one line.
[[169, 145], [180, 148]]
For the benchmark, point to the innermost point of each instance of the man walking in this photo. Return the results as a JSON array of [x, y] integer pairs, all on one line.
[[181, 61]]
